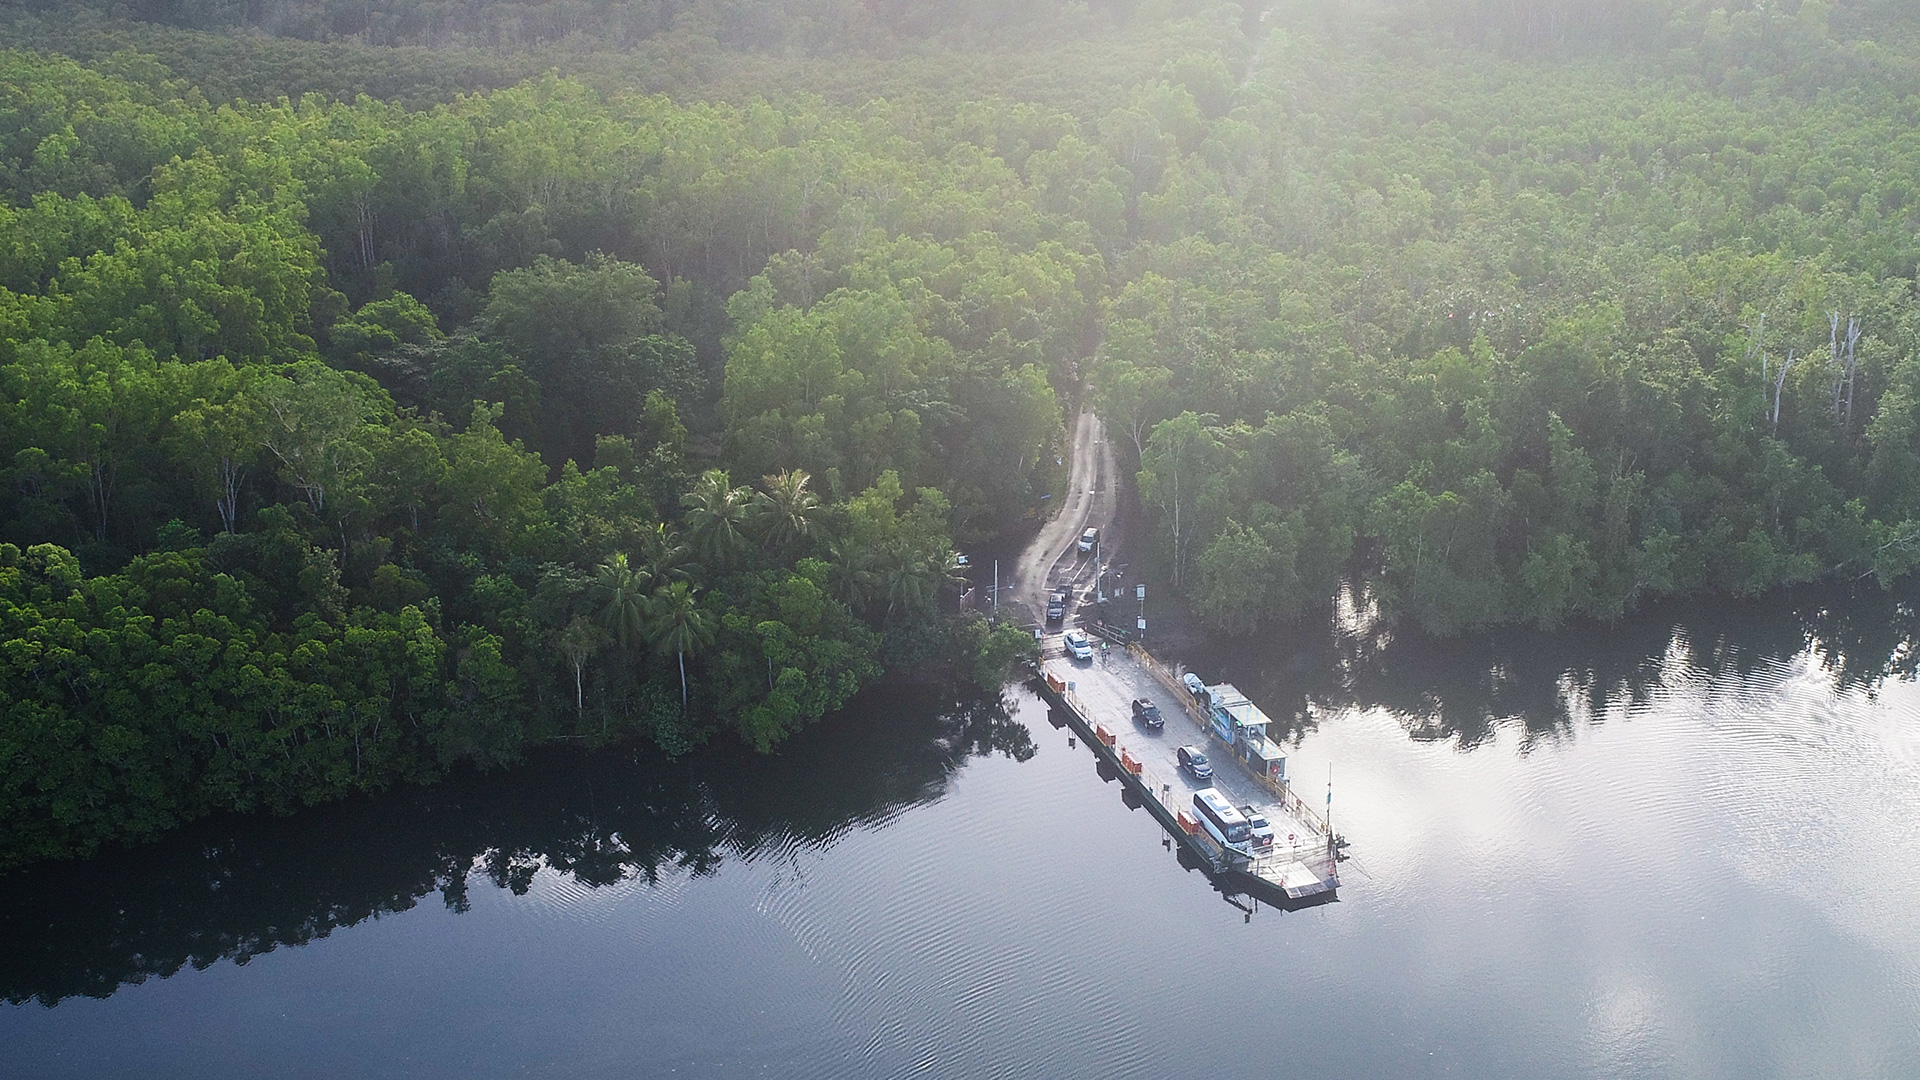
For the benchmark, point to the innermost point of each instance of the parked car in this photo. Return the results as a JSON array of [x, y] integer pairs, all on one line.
[[1193, 684], [1194, 762], [1261, 828], [1088, 539], [1057, 606], [1078, 645], [1148, 713]]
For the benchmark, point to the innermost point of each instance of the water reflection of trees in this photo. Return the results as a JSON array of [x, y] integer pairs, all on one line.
[[239, 887], [1461, 689]]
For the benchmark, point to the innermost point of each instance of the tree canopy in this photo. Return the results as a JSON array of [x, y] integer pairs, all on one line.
[[397, 384]]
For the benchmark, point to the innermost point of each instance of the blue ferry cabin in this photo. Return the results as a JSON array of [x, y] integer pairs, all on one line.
[[1241, 725]]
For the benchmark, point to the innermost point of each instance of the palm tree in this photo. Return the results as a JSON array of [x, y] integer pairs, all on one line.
[[851, 573], [717, 514], [949, 572], [785, 510], [622, 597], [675, 624], [911, 583], [914, 578], [665, 559]]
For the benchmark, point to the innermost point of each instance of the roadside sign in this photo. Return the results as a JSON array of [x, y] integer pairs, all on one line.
[[1140, 591], [1140, 625]]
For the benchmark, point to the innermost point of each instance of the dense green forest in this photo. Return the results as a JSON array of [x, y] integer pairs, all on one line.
[[391, 385], [273, 534]]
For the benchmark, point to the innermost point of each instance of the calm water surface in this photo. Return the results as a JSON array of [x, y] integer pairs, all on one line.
[[1687, 846]]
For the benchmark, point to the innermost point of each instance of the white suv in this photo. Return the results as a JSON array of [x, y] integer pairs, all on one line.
[[1078, 645]]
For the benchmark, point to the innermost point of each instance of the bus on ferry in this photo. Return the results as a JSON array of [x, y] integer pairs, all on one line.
[[1226, 824]]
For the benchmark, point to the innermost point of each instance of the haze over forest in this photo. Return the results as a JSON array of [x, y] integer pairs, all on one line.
[[392, 385]]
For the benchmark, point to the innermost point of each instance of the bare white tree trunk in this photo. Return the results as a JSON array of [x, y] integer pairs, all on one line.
[[1778, 387], [231, 475], [1853, 366]]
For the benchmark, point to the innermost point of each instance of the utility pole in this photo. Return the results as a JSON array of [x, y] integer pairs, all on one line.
[[996, 588], [1330, 841]]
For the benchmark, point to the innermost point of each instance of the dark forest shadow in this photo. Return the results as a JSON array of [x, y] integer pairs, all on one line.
[[236, 887]]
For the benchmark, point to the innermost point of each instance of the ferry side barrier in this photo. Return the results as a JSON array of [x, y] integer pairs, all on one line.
[[1064, 689], [1151, 786], [1162, 674]]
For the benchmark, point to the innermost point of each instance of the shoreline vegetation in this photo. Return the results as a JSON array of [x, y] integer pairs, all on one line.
[[391, 385]]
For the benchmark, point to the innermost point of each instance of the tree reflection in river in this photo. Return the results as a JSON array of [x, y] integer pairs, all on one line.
[[237, 887], [1462, 689]]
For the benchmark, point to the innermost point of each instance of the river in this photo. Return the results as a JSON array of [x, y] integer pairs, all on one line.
[[1684, 846]]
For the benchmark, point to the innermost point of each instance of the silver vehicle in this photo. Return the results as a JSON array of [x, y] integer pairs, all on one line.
[[1088, 539], [1077, 645], [1195, 762], [1260, 829]]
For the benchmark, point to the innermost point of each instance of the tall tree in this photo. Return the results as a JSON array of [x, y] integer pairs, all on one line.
[[312, 419], [217, 441], [1182, 462], [676, 625], [717, 518], [786, 511], [578, 641], [621, 597]]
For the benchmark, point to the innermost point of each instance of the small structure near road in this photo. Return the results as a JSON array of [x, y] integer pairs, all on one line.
[[1240, 724]]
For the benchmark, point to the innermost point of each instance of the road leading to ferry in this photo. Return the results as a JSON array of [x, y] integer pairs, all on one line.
[[1090, 500], [1247, 769]]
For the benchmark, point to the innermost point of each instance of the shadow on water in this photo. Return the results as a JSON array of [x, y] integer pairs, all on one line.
[[1463, 689], [238, 887]]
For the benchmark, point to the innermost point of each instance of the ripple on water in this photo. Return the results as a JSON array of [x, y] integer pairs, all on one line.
[[914, 977], [633, 908]]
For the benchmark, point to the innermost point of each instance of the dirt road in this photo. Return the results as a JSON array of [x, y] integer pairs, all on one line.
[[1054, 557], [1106, 685]]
